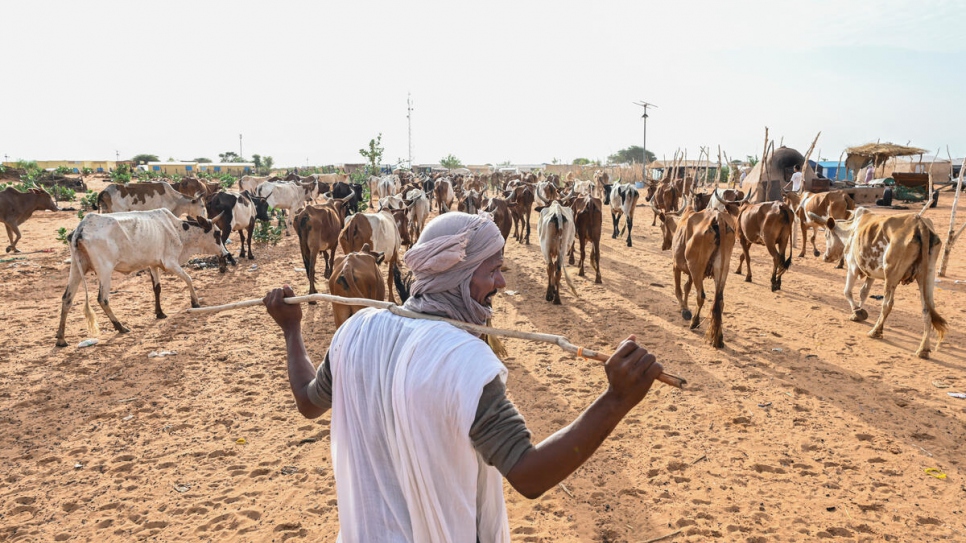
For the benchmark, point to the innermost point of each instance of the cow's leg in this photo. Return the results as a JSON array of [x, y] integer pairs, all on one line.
[[251, 234], [699, 297], [156, 283], [630, 226], [570, 257], [392, 263], [682, 296], [715, 335], [654, 220], [73, 281], [13, 233], [746, 258], [595, 260], [841, 263], [103, 299], [179, 271], [526, 219], [329, 257], [858, 313], [887, 301], [549, 294], [558, 265], [616, 218], [814, 248], [804, 237]]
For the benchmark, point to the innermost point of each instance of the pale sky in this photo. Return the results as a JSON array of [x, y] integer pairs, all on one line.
[[525, 81]]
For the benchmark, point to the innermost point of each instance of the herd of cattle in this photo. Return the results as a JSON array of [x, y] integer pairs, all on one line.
[[139, 227]]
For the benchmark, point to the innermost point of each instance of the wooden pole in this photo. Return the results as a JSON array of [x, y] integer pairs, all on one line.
[[808, 154], [559, 341], [950, 237], [929, 190]]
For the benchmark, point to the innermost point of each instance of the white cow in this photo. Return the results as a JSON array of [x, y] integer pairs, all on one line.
[[283, 195], [585, 187], [623, 201], [251, 183], [545, 193], [128, 242], [391, 202], [380, 232], [148, 196], [556, 231], [444, 195], [419, 208]]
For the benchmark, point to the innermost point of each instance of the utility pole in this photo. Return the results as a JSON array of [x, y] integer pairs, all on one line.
[[117, 156], [240, 153], [645, 105], [409, 119]]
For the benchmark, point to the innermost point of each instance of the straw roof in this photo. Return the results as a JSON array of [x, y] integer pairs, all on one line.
[[658, 164], [881, 151]]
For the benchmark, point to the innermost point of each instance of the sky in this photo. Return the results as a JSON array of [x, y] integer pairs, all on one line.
[[310, 83]]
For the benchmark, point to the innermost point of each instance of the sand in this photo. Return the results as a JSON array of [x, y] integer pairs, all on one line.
[[801, 428]]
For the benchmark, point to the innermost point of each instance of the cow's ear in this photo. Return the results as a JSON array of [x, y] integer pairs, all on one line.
[[204, 223], [379, 256], [185, 225], [830, 223]]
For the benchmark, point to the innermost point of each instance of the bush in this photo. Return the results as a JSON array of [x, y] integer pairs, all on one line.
[[226, 180], [86, 171], [89, 200], [62, 194], [121, 174], [266, 233], [62, 235]]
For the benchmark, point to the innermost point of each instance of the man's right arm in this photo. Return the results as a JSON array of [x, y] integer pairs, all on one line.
[[631, 371], [300, 370]]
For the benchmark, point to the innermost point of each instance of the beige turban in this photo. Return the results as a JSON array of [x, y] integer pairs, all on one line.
[[449, 250]]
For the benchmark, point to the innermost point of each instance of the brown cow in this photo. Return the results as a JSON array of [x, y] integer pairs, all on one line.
[[835, 204], [16, 207], [192, 187], [379, 230], [665, 197], [702, 248], [318, 228], [356, 275], [588, 220], [471, 202], [500, 210], [898, 249], [520, 201], [769, 224]]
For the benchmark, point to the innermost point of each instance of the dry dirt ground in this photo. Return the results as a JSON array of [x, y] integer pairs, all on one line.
[[801, 428]]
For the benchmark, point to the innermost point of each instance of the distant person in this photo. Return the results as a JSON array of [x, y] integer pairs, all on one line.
[[869, 174], [796, 181]]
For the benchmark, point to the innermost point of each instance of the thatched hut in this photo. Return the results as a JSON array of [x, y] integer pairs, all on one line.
[[876, 155], [767, 178]]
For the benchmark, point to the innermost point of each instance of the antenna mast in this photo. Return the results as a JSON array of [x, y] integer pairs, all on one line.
[[645, 105], [409, 119]]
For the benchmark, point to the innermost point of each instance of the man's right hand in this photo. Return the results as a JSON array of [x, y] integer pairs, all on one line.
[[631, 371], [288, 316]]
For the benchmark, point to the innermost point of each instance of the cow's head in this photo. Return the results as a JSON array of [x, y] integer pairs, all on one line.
[[43, 200], [261, 208], [401, 217], [195, 207], [201, 236]]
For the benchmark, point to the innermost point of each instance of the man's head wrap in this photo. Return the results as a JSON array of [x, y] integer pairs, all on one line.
[[449, 250]]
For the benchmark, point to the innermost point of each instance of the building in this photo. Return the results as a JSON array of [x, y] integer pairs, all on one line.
[[75, 166], [233, 168], [832, 169]]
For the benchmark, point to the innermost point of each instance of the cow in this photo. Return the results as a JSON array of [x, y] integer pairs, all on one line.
[[500, 210], [283, 195], [555, 228], [251, 182], [340, 190], [391, 202], [148, 196], [898, 249], [233, 211], [769, 224], [386, 187], [601, 179], [419, 209], [16, 207], [663, 196], [429, 188], [585, 187], [379, 230], [318, 228], [835, 204], [623, 201], [128, 242], [701, 247], [721, 198], [444, 195], [191, 187], [588, 221], [544, 194], [470, 203], [520, 201], [356, 275]]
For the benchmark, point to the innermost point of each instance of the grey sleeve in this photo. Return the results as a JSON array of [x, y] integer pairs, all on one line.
[[499, 432], [320, 389]]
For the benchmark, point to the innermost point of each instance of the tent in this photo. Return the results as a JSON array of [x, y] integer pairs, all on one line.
[[767, 183]]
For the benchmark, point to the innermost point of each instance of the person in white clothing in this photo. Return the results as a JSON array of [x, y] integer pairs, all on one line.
[[796, 181], [422, 432]]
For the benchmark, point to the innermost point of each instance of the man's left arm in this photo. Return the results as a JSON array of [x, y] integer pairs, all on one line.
[[300, 370]]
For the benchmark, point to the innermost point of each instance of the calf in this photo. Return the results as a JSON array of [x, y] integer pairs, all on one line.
[[340, 190], [555, 227], [128, 242], [444, 195], [664, 196], [835, 204], [356, 275], [545, 193], [701, 247], [520, 201], [623, 201], [148, 196], [16, 207], [588, 222], [379, 230], [500, 210], [237, 211], [769, 224], [898, 249], [318, 228], [418, 205]]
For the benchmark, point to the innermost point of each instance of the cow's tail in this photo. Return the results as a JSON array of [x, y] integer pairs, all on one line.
[[788, 217], [560, 255], [75, 262], [927, 278]]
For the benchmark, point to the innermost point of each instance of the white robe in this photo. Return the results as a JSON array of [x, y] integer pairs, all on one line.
[[404, 396]]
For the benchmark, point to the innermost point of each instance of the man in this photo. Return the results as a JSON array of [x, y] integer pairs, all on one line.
[[869, 174], [796, 180], [421, 427]]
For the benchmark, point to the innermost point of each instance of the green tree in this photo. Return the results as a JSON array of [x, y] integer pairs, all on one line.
[[257, 159], [268, 162], [203, 160], [631, 155], [581, 161], [505, 164], [449, 161], [373, 154], [230, 156], [145, 158], [753, 160]]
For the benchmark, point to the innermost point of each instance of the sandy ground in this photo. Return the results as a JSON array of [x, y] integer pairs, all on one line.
[[801, 428]]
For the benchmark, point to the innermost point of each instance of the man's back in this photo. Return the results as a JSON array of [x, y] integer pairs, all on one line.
[[404, 399]]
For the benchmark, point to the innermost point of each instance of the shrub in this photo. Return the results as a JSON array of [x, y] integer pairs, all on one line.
[[86, 171], [62, 194], [266, 233], [62, 235], [89, 200], [121, 174]]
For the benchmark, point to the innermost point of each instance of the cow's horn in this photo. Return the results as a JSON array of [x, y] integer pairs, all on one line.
[[683, 206]]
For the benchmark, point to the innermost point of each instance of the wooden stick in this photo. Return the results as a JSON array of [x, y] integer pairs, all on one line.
[[950, 237], [559, 341]]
